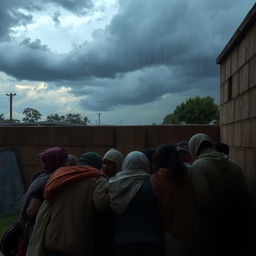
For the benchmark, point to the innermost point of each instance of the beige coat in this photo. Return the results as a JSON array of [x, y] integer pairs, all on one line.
[[66, 222]]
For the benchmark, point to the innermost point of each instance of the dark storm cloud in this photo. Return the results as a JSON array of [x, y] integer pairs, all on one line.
[[139, 87], [134, 40], [34, 44], [76, 6], [10, 15], [158, 47], [16, 12]]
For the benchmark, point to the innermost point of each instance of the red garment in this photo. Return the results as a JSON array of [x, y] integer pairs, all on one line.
[[176, 201], [66, 175], [21, 248]]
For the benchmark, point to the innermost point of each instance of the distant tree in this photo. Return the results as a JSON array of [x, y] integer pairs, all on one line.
[[86, 120], [31, 115], [74, 118], [12, 121], [56, 117], [2, 119], [194, 111]]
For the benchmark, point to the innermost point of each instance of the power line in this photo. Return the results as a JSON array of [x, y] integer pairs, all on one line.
[[11, 95]]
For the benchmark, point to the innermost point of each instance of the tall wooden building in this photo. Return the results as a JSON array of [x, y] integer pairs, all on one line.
[[238, 96]]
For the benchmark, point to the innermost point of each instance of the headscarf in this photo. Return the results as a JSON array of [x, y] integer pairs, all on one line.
[[72, 159], [126, 183], [90, 158], [53, 158], [114, 156], [195, 142]]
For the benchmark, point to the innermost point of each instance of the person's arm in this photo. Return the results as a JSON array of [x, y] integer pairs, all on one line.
[[100, 195], [33, 207], [201, 186]]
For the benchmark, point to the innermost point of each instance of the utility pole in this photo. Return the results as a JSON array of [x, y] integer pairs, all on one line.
[[99, 117], [11, 95]]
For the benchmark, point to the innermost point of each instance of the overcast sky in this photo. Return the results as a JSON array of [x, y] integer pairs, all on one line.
[[131, 60]]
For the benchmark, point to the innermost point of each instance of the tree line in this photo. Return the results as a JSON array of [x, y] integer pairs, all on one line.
[[32, 115], [192, 111]]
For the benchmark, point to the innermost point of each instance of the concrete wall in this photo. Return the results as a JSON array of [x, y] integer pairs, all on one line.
[[29, 141], [238, 104]]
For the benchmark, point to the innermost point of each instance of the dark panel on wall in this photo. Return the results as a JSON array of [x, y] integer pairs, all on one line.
[[11, 183]]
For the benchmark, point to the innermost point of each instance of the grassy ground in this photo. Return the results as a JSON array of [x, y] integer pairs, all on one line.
[[6, 222]]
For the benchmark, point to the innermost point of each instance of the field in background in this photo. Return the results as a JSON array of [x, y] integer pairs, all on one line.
[[6, 222]]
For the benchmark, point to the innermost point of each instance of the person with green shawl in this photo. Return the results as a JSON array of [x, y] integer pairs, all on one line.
[[222, 199], [65, 222]]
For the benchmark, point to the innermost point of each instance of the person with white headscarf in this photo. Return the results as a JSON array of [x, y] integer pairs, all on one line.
[[222, 198], [112, 162], [137, 225]]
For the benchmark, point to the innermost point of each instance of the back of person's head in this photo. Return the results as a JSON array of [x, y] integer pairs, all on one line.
[[221, 147], [136, 160], [182, 144], [149, 152], [167, 157], [198, 143], [53, 158], [182, 148], [112, 162], [90, 158], [72, 160]]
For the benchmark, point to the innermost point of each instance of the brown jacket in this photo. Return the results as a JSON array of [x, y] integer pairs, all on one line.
[[66, 221]]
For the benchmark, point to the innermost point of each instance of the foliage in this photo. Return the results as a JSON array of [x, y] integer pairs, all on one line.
[[31, 115], [5, 222], [56, 117], [194, 111], [74, 118], [3, 120]]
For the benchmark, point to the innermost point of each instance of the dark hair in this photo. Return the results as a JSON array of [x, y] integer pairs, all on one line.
[[221, 147], [167, 157], [149, 152], [204, 146], [182, 143]]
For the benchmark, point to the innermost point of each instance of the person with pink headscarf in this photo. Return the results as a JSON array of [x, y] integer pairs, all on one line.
[[51, 159]]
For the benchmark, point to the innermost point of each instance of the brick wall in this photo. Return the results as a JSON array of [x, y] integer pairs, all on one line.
[[29, 141]]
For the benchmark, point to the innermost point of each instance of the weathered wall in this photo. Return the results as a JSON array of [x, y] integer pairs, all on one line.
[[238, 104], [29, 141]]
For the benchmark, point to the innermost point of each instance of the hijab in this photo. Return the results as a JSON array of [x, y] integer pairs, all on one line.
[[126, 183], [195, 142], [114, 156], [53, 158], [92, 159]]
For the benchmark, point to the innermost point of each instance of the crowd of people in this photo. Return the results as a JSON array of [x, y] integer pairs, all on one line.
[[183, 199]]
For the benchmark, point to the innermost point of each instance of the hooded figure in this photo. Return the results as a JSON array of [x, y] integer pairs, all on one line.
[[124, 186], [65, 224], [221, 196], [112, 162], [52, 159], [137, 229]]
